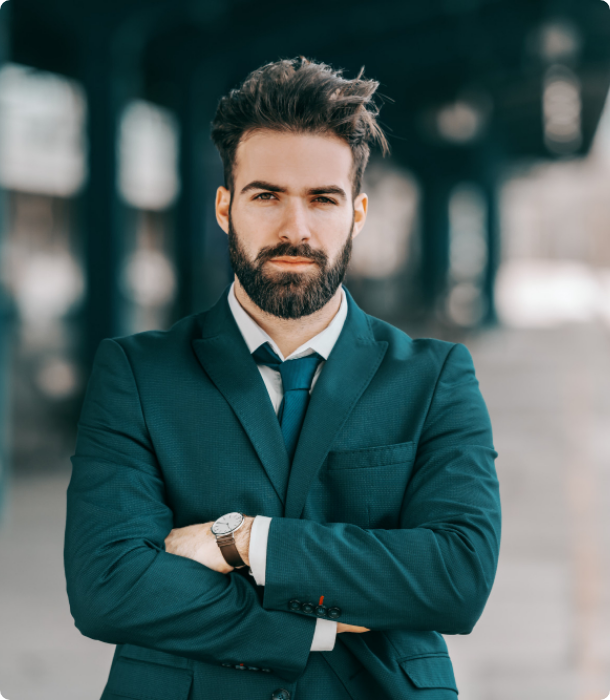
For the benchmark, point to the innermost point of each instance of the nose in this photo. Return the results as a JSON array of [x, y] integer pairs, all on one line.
[[295, 227]]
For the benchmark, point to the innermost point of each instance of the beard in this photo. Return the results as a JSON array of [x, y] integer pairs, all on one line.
[[288, 294]]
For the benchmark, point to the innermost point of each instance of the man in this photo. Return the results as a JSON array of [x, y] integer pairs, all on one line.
[[283, 497]]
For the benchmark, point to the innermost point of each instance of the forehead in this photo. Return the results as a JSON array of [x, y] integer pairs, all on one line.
[[293, 160]]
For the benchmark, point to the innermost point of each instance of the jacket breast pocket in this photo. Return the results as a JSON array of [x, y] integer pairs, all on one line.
[[366, 486], [431, 672], [130, 678]]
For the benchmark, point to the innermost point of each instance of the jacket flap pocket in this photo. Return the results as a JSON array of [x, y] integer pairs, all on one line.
[[146, 681], [430, 671], [384, 455], [131, 651]]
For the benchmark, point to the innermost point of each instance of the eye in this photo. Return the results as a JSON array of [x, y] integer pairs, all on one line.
[[324, 200], [263, 196]]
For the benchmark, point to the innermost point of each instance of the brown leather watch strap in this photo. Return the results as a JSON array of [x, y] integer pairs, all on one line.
[[229, 550]]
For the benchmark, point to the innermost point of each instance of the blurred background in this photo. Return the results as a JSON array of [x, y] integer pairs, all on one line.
[[489, 225]]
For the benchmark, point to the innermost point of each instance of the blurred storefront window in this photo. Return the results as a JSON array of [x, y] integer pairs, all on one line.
[[147, 276], [149, 184], [556, 248], [148, 156], [383, 254], [43, 169], [465, 305], [41, 132]]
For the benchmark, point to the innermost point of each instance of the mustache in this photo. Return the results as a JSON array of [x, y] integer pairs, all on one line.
[[287, 249]]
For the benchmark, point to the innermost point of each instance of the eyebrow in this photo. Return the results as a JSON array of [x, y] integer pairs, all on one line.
[[261, 185], [270, 187], [331, 189]]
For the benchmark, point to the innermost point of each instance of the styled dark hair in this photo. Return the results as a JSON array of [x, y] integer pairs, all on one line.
[[300, 96]]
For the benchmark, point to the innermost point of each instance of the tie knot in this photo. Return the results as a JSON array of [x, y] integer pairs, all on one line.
[[296, 374]]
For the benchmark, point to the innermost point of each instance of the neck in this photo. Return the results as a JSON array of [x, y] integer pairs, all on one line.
[[290, 333]]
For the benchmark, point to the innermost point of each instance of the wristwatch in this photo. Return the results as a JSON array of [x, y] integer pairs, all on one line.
[[223, 529]]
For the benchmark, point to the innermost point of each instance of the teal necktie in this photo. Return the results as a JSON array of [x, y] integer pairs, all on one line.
[[297, 376]]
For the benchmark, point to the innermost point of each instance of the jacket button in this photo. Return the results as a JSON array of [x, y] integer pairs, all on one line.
[[321, 610], [334, 613], [307, 607], [280, 694], [294, 604]]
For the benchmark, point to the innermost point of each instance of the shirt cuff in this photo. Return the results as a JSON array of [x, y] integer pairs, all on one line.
[[324, 635], [257, 551]]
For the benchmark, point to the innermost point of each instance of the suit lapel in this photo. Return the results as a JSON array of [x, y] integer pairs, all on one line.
[[351, 365], [226, 359]]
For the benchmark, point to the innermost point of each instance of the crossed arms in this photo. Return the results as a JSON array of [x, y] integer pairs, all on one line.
[[198, 543], [433, 573]]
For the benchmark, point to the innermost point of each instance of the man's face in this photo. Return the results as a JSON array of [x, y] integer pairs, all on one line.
[[291, 219]]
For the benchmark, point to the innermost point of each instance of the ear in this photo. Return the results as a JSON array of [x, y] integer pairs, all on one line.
[[223, 203], [361, 204]]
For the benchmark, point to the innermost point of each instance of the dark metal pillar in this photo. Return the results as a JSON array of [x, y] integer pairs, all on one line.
[[191, 205], [434, 229], [199, 245], [109, 80], [6, 317], [490, 190], [489, 168], [103, 211]]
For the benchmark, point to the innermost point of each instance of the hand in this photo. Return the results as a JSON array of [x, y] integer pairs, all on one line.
[[342, 627], [198, 542]]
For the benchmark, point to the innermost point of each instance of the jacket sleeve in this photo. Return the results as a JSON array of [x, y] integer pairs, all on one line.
[[123, 587], [433, 573], [325, 634]]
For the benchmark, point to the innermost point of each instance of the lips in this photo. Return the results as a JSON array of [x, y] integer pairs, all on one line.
[[293, 261]]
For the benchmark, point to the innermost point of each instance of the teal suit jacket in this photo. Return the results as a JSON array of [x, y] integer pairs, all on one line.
[[390, 510]]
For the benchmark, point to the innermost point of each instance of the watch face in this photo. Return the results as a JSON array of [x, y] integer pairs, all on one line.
[[227, 523]]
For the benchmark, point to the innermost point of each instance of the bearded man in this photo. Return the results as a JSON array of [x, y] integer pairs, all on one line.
[[283, 497]]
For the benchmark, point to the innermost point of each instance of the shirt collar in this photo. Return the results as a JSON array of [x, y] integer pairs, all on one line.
[[255, 336]]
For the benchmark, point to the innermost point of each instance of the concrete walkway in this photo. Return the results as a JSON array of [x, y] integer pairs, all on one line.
[[545, 633]]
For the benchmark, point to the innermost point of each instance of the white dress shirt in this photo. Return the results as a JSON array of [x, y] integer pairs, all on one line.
[[326, 630]]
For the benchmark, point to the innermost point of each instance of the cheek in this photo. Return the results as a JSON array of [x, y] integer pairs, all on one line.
[[331, 228], [254, 228], [261, 214], [336, 220]]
